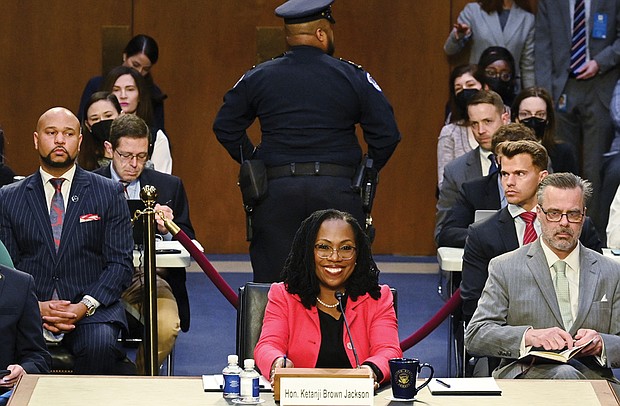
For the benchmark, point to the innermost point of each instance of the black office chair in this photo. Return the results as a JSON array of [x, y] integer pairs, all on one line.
[[250, 314]]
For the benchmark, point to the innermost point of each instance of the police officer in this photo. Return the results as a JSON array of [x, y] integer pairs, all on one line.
[[308, 104]]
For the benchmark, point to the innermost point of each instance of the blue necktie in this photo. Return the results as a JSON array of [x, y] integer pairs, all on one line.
[[578, 39], [57, 210], [493, 168]]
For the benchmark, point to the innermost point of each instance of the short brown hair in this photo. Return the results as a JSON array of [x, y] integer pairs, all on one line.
[[488, 97], [509, 149], [511, 132], [130, 126], [565, 180]]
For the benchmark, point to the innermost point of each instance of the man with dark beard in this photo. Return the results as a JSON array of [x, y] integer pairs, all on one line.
[[70, 230], [308, 104], [553, 293]]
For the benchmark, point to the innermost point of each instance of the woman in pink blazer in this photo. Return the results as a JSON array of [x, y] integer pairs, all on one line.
[[303, 325]]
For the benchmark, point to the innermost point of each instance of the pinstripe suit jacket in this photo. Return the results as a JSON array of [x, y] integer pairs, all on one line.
[[519, 293], [94, 257]]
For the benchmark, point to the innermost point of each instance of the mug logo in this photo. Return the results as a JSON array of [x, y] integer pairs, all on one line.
[[405, 378]]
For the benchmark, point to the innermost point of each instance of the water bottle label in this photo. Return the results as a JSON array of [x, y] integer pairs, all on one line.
[[250, 389], [255, 388], [231, 384]]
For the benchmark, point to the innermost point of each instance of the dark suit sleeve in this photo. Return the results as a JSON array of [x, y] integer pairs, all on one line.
[[31, 351], [589, 236], [181, 210], [609, 57], [474, 273], [460, 216], [542, 49], [448, 193], [6, 231], [117, 251]]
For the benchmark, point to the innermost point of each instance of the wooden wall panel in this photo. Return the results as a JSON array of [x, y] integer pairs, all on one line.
[[205, 46], [49, 50]]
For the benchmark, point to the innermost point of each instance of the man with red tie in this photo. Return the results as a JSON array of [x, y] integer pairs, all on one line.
[[70, 230], [523, 166]]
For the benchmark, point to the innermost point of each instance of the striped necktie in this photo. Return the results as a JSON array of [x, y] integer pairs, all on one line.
[[530, 233], [563, 294], [57, 210], [578, 40]]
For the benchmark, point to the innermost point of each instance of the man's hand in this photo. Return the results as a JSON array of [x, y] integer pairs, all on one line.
[[8, 381], [553, 338], [60, 316], [594, 348], [588, 70], [167, 213], [461, 30]]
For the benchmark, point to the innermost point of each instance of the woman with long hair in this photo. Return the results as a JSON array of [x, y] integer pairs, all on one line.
[[330, 265]]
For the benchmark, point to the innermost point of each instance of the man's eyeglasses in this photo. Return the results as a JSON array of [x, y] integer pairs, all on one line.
[[325, 251], [505, 76], [127, 157], [555, 216]]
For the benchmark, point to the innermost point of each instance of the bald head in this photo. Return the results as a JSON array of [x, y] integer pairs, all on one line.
[[58, 112], [57, 139], [317, 33]]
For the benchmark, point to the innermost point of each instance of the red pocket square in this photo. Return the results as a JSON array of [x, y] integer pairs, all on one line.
[[89, 217]]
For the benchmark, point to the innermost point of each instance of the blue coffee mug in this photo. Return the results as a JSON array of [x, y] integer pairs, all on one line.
[[404, 373]]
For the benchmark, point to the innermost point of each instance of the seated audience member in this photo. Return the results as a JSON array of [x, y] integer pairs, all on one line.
[[485, 193], [496, 69], [6, 174], [70, 230], [101, 109], [456, 138], [533, 108], [22, 347], [132, 93], [128, 146], [551, 294], [330, 253], [486, 114], [523, 166], [141, 53], [488, 23]]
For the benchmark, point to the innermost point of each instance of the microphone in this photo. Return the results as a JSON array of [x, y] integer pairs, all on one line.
[[339, 295]]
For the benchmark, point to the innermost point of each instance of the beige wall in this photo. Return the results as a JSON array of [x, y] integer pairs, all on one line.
[[205, 46]]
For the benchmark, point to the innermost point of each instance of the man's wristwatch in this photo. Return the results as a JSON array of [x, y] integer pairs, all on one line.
[[90, 306]]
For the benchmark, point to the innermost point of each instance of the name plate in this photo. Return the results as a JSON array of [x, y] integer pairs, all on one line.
[[325, 388]]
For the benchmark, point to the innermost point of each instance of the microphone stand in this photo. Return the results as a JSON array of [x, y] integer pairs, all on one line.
[[339, 295]]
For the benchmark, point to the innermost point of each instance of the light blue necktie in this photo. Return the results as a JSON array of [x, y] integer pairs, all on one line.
[[563, 294]]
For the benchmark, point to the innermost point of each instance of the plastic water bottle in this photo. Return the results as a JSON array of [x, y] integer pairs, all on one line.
[[249, 382], [231, 377]]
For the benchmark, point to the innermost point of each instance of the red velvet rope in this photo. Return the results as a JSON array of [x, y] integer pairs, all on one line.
[[208, 268], [447, 309]]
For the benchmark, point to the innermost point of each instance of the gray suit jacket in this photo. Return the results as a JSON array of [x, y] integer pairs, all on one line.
[[519, 293], [464, 168], [517, 37], [553, 43]]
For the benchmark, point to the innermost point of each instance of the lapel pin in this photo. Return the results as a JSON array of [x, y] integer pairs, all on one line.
[[74, 198]]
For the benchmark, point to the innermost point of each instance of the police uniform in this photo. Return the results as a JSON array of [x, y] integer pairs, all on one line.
[[308, 104]]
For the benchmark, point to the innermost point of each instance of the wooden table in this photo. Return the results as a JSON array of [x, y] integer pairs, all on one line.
[[69, 390]]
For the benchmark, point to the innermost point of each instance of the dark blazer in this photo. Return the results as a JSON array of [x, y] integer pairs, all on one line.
[[21, 341], [170, 191], [563, 158], [477, 194], [94, 257], [490, 238], [462, 169]]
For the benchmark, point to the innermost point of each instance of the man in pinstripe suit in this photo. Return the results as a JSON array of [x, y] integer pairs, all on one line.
[[79, 274], [553, 293]]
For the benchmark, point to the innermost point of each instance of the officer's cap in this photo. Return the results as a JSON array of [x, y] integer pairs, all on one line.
[[301, 11]]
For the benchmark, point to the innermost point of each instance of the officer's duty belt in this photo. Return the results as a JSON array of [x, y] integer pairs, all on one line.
[[310, 169]]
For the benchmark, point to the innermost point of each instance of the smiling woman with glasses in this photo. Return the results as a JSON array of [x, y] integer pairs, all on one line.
[[303, 325]]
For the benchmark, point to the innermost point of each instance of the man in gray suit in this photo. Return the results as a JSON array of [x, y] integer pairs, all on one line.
[[577, 50], [486, 113], [554, 293]]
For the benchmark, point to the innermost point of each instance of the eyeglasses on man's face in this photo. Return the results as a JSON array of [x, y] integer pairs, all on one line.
[[325, 251], [127, 157], [555, 216]]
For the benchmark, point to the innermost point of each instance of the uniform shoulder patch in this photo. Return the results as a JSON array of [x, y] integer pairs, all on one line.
[[351, 63]]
